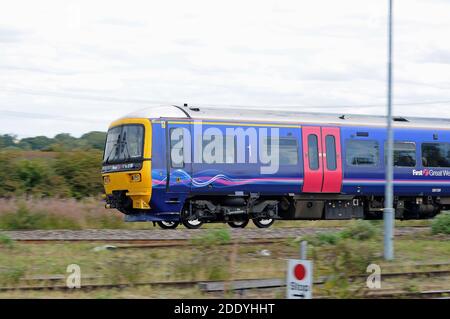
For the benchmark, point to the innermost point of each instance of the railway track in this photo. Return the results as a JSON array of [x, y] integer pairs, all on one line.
[[424, 294], [42, 283], [170, 237], [153, 243]]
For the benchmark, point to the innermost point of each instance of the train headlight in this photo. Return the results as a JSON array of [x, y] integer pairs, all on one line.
[[106, 180], [135, 178]]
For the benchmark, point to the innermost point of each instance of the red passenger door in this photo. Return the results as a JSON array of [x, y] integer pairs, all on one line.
[[332, 160], [312, 161], [322, 160]]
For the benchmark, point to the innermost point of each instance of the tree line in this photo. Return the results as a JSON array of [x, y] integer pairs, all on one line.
[[63, 166], [61, 142]]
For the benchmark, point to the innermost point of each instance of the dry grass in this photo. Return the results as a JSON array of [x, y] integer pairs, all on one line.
[[54, 213], [90, 213]]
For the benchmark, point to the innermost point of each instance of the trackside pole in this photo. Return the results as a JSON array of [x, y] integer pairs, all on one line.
[[303, 249], [388, 215]]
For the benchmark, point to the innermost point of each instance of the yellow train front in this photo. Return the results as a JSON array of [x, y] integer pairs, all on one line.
[[127, 165]]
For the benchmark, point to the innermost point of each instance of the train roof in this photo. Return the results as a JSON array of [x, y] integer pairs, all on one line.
[[282, 116]]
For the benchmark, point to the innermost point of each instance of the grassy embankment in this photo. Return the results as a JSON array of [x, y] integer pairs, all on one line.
[[336, 253], [89, 213]]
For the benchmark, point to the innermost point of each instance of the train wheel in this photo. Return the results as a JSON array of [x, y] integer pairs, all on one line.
[[168, 225], [238, 224], [263, 222], [192, 224]]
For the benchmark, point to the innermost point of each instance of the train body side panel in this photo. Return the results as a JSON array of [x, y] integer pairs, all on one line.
[[408, 181], [421, 180], [360, 179], [253, 176]]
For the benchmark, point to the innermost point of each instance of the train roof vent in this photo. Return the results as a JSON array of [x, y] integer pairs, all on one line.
[[399, 119]]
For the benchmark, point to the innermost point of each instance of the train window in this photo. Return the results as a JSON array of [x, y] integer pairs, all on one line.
[[404, 154], [177, 147], [230, 149], [330, 144], [436, 154], [362, 153], [313, 152], [287, 148], [219, 149], [288, 151]]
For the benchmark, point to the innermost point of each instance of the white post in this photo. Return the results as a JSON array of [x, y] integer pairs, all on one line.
[[389, 215], [303, 250]]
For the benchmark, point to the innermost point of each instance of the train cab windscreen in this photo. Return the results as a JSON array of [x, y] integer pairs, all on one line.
[[124, 144]]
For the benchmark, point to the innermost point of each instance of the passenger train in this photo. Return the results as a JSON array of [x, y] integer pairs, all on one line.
[[195, 165]]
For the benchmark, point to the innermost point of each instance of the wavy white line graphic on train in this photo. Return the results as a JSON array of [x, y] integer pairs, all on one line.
[[219, 178]]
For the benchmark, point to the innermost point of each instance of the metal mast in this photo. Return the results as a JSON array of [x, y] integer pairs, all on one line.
[[389, 214]]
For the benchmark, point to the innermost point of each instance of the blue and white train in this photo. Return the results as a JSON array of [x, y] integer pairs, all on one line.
[[330, 166]]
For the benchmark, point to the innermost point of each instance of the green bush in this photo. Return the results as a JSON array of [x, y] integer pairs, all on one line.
[[81, 172], [24, 219], [328, 238], [7, 140], [8, 183], [357, 230], [55, 174], [441, 224], [360, 230], [33, 176], [62, 141], [36, 177]]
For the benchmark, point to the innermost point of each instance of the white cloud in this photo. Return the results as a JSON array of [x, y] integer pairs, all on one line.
[[311, 53]]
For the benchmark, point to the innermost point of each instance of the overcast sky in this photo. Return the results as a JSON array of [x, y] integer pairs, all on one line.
[[74, 66]]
